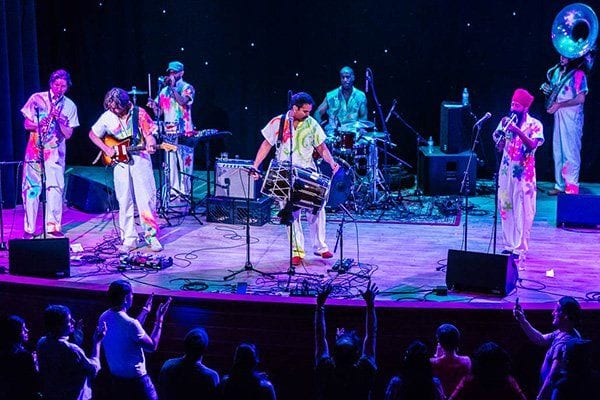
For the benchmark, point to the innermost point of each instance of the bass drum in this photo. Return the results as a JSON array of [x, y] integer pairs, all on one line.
[[341, 183]]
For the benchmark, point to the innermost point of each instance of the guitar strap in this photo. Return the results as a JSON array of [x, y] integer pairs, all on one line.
[[136, 126]]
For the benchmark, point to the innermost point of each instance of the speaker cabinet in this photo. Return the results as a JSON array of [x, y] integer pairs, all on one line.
[[455, 127], [231, 180], [46, 258], [90, 196], [442, 174], [578, 210], [481, 272]]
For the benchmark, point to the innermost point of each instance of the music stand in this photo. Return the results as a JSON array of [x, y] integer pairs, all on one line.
[[3, 246]]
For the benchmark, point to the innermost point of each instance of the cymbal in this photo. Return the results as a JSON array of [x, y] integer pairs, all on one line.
[[360, 124], [137, 92]]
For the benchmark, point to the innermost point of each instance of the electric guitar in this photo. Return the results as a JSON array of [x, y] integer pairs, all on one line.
[[123, 150]]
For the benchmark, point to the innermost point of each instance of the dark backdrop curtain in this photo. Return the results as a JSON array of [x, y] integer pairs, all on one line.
[[19, 77]]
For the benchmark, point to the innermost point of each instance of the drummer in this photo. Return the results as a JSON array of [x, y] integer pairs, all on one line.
[[306, 135], [343, 105]]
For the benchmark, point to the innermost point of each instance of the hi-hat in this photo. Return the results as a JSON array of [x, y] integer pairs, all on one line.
[[360, 124], [136, 92]]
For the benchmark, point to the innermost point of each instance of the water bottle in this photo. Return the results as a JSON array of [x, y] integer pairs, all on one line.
[[465, 97], [430, 145]]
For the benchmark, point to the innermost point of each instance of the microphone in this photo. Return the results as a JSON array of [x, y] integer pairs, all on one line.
[[485, 117], [367, 80], [392, 111]]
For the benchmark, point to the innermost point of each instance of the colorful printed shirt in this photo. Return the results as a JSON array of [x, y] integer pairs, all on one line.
[[517, 161], [53, 139], [576, 84], [121, 128], [178, 118], [307, 135], [345, 112]]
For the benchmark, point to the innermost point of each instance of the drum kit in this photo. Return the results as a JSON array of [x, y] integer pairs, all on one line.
[[359, 184]]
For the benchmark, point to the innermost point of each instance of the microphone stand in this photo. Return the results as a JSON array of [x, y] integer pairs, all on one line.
[[375, 168], [164, 185], [465, 185], [248, 267], [41, 161]]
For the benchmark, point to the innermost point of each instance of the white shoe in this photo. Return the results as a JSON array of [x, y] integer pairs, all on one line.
[[155, 245]]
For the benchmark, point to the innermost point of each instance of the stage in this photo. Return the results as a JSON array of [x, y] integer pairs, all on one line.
[[406, 260]]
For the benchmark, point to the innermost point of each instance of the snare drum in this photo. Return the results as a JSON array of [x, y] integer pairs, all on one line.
[[310, 189]]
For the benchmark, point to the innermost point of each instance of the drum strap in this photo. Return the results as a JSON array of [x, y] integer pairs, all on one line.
[[280, 135]]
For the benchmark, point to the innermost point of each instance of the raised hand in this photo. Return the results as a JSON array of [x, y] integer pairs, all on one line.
[[162, 310], [322, 294], [148, 304], [100, 332], [369, 294]]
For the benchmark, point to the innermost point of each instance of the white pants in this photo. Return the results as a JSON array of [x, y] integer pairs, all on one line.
[[181, 160], [136, 181], [316, 223], [566, 148], [517, 210], [32, 186]]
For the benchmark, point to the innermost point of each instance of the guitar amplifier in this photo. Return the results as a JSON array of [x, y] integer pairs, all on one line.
[[231, 179]]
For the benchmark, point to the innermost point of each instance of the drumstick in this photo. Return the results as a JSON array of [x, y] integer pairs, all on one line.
[[149, 88]]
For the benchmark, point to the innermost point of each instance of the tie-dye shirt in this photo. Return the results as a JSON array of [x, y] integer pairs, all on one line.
[[307, 135], [178, 118], [345, 112], [53, 140], [517, 161], [121, 128]]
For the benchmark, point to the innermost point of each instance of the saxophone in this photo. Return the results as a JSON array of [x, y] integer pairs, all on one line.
[[50, 121]]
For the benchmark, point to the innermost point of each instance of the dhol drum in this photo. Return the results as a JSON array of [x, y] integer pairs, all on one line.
[[341, 183], [310, 189]]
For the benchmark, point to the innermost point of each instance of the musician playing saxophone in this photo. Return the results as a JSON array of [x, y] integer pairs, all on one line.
[[568, 86], [50, 117], [295, 139], [136, 178]]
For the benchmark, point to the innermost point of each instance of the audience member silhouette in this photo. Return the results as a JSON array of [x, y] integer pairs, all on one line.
[[181, 377], [416, 381], [65, 371], [19, 379], [349, 373], [447, 364], [565, 318], [126, 341], [579, 380], [244, 381], [490, 378]]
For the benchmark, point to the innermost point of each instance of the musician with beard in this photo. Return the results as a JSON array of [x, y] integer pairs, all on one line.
[[343, 105], [570, 83], [133, 180], [174, 103], [517, 138], [56, 115], [306, 135]]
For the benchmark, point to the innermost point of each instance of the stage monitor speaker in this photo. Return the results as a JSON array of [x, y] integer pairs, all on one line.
[[46, 258], [480, 272], [90, 196], [455, 127], [231, 180], [442, 174], [578, 210]]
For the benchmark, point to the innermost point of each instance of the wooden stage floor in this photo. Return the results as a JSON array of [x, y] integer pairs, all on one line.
[[406, 261]]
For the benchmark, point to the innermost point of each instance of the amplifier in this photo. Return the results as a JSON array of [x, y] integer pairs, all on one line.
[[225, 210], [231, 180]]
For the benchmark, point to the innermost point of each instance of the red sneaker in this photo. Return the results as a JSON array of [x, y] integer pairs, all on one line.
[[296, 260], [325, 254]]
